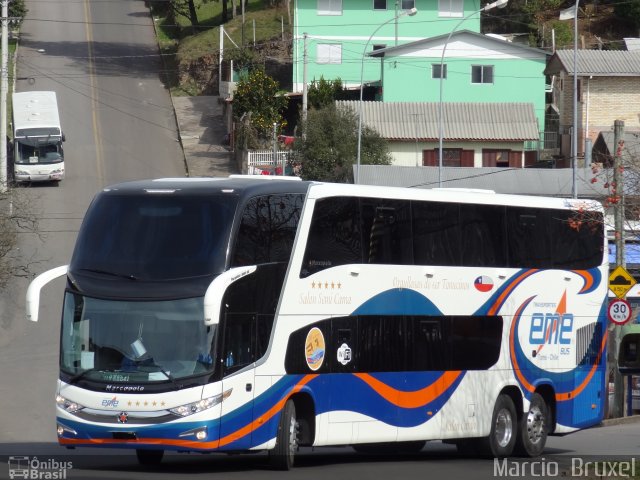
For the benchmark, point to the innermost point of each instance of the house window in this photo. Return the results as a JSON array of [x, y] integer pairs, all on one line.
[[437, 71], [379, 4], [451, 157], [329, 7], [450, 8], [495, 158], [408, 4], [329, 53], [482, 74]]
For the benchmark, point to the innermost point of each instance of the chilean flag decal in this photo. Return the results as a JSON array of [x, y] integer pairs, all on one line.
[[483, 283]]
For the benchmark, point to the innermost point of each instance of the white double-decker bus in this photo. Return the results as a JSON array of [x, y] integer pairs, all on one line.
[[263, 314], [37, 137]]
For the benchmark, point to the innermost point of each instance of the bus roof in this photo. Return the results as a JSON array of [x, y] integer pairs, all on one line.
[[35, 110], [250, 185]]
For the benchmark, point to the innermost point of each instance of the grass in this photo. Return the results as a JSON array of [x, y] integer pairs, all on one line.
[[181, 46]]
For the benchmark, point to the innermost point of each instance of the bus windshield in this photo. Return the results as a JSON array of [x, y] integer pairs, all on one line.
[[155, 237], [135, 341], [28, 153]]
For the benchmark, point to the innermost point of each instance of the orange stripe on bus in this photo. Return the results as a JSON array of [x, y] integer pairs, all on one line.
[[418, 398], [507, 291]]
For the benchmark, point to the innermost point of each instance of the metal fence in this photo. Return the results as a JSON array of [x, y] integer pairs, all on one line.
[[262, 162]]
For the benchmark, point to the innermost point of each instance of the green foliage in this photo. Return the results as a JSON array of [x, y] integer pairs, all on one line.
[[324, 92], [259, 94], [563, 34], [328, 147], [242, 57], [539, 9], [17, 10], [629, 11]]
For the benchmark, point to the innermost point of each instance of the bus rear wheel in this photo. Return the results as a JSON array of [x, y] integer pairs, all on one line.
[[502, 438], [532, 431], [281, 457], [149, 457]]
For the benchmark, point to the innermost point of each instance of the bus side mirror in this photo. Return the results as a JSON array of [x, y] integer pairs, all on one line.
[[629, 352], [33, 292], [216, 290], [64, 139]]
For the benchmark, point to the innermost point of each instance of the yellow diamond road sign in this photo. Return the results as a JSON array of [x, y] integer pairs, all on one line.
[[620, 282]]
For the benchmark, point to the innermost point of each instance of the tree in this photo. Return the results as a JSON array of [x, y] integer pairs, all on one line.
[[15, 218], [328, 147], [186, 9], [258, 95], [324, 92], [17, 10], [629, 11]]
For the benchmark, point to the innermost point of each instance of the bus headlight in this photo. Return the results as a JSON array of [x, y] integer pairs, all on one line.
[[200, 405], [57, 170], [68, 405], [21, 172]]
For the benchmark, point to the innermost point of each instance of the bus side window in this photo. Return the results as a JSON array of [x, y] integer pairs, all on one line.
[[267, 229], [239, 341], [386, 231], [482, 235], [334, 236], [529, 233]]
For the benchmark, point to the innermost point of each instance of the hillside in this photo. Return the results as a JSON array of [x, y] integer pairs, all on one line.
[[191, 53]]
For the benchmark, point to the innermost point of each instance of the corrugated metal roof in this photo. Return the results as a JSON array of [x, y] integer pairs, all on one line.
[[596, 62], [461, 121], [526, 181]]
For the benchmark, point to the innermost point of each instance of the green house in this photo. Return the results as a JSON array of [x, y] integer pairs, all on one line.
[[475, 68], [333, 37]]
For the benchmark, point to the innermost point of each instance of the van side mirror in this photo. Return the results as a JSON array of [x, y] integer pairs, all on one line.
[[217, 288], [629, 352]]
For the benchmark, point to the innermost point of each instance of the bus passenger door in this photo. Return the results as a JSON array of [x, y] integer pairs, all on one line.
[[238, 357]]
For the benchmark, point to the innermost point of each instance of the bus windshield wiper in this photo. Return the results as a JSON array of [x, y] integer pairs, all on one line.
[[82, 374], [113, 274]]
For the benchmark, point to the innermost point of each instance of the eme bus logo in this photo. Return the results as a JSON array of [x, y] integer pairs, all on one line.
[[551, 329]]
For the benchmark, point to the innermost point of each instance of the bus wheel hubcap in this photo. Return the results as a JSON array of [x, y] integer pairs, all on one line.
[[535, 424], [504, 428]]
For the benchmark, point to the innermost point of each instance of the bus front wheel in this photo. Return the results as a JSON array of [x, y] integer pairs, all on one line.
[[532, 432], [282, 455], [502, 438]]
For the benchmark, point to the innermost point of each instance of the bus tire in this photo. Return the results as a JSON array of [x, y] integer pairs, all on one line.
[[534, 425], [149, 457], [281, 457], [504, 424]]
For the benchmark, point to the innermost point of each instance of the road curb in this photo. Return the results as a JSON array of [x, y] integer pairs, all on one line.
[[620, 421]]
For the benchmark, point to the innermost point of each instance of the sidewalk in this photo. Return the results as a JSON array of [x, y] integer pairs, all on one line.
[[202, 135]]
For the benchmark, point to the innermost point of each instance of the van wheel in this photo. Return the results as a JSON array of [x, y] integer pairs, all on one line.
[[502, 438], [282, 455], [149, 457], [532, 432]]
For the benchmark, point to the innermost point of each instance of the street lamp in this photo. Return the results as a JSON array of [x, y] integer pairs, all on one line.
[[410, 13], [489, 6]]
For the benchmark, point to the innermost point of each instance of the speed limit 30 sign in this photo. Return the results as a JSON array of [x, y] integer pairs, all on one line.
[[619, 311]]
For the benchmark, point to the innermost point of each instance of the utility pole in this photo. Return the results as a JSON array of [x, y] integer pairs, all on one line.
[[305, 90], [4, 84], [618, 182]]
